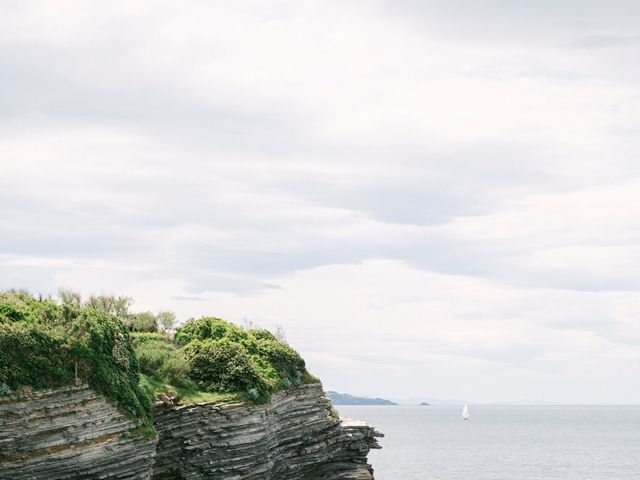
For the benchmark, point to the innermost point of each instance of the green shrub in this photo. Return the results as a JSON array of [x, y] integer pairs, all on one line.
[[175, 370], [202, 329], [262, 334], [138, 338], [142, 322], [159, 358], [103, 343], [32, 356], [151, 355], [226, 358], [225, 366], [284, 359]]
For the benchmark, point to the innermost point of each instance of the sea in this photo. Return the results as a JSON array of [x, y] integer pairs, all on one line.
[[504, 442]]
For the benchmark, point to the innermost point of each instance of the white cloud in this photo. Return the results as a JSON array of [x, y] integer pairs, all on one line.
[[252, 159]]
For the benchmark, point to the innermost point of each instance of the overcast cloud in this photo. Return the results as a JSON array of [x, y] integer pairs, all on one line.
[[432, 198]]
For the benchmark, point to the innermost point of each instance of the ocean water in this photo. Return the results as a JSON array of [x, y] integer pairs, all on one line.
[[504, 442]]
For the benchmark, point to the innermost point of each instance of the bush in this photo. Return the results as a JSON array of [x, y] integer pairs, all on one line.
[[204, 328], [226, 358], [175, 370], [32, 356], [161, 359], [104, 345], [262, 334], [152, 354], [225, 366], [138, 338], [284, 359], [142, 322]]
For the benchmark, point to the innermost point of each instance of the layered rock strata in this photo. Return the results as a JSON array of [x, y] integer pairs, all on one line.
[[295, 436], [71, 433], [74, 433]]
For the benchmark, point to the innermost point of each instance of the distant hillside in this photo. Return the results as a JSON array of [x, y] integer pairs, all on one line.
[[345, 399]]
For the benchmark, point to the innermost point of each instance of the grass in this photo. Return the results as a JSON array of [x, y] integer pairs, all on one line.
[[154, 386]]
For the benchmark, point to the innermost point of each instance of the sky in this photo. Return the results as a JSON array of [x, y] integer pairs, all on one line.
[[431, 198]]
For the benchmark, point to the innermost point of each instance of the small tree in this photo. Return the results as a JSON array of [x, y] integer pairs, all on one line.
[[280, 335], [142, 322], [166, 321], [69, 297], [116, 306]]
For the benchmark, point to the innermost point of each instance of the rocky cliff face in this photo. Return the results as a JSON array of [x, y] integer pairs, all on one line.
[[69, 433], [75, 434], [293, 437]]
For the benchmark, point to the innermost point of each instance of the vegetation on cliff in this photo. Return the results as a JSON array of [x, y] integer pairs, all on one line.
[[212, 355], [47, 343]]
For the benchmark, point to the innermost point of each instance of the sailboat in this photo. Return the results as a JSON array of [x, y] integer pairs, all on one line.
[[465, 412]]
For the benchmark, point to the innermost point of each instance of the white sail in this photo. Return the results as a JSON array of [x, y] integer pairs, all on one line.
[[465, 412]]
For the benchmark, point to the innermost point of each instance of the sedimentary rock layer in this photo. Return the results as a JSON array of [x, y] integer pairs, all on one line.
[[295, 436], [74, 433], [69, 433]]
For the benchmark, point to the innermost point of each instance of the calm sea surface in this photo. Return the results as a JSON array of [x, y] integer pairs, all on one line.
[[504, 442]]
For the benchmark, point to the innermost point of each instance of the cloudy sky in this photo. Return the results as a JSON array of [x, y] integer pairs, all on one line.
[[432, 198]]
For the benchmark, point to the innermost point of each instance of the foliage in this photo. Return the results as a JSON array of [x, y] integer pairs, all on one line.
[[189, 395], [176, 370], [223, 365], [41, 342], [160, 358], [138, 338], [116, 306], [120, 307], [151, 355], [203, 329], [262, 334], [142, 322], [224, 357], [284, 359], [32, 356], [166, 321]]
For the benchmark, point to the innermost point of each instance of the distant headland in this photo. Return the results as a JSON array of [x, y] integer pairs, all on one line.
[[346, 399]]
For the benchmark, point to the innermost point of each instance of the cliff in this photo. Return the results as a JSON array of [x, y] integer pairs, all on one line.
[[75, 433], [69, 433], [293, 436]]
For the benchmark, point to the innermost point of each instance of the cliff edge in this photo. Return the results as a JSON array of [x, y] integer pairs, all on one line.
[[296, 435], [74, 433], [70, 433]]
